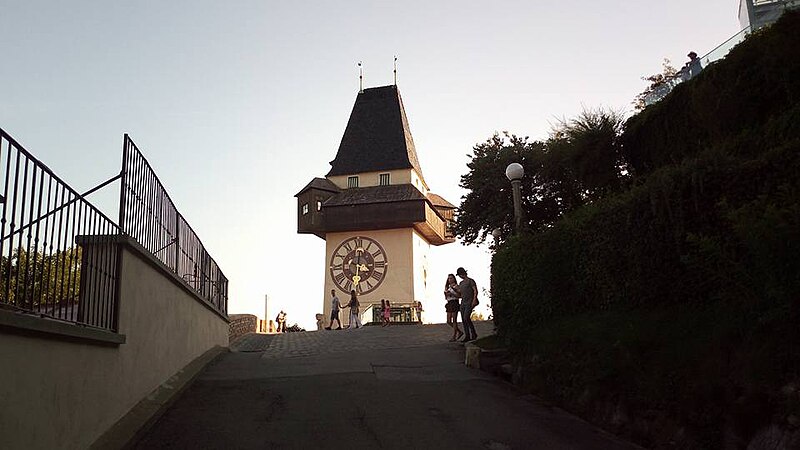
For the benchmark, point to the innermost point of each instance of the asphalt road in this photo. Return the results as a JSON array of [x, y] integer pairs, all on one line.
[[403, 387]]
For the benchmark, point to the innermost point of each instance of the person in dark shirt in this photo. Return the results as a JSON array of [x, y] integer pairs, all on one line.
[[469, 300]]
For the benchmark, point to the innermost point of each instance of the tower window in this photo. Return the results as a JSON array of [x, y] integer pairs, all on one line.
[[305, 208], [319, 205], [383, 179], [352, 182]]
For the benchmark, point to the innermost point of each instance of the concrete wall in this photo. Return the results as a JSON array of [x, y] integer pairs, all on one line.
[[65, 393], [398, 283], [368, 179], [421, 252]]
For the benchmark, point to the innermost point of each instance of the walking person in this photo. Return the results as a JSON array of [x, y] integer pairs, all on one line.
[[355, 320], [335, 307], [387, 313], [469, 300], [451, 294]]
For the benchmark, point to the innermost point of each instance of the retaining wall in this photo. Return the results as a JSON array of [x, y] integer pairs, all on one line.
[[64, 385]]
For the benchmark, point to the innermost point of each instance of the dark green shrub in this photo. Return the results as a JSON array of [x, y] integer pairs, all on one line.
[[681, 294], [731, 100]]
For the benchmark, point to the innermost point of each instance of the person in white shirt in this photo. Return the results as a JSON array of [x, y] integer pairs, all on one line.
[[335, 307]]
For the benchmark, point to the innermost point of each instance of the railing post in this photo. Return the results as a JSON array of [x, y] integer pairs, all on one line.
[[177, 241], [123, 184], [117, 253]]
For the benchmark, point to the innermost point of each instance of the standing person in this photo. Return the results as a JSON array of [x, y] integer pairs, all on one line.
[[355, 320], [281, 321], [451, 294], [387, 313], [335, 307], [693, 65], [469, 300], [419, 311]]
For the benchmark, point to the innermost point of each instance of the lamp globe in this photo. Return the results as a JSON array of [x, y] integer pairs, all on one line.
[[515, 172]]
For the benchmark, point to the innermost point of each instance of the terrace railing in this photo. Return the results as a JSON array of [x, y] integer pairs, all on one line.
[[148, 215], [687, 72], [44, 267]]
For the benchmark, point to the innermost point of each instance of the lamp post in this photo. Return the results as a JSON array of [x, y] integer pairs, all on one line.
[[515, 172], [496, 233]]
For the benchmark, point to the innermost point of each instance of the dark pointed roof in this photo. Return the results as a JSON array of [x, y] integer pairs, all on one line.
[[323, 184], [375, 194], [377, 136]]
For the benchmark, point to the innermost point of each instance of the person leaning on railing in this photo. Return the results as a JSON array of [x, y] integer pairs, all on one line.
[[691, 69]]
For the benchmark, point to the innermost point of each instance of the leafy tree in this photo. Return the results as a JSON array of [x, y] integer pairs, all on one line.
[[584, 155], [659, 83], [35, 279], [578, 163], [489, 203]]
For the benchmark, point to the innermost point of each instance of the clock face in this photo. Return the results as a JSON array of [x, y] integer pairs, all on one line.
[[359, 263]]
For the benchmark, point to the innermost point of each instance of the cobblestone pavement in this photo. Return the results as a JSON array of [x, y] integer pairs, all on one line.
[[401, 387], [312, 343], [253, 342]]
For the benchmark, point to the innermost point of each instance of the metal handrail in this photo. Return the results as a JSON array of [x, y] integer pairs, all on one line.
[[669, 83], [148, 214], [49, 265]]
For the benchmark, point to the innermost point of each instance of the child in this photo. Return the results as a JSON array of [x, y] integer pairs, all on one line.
[[387, 312]]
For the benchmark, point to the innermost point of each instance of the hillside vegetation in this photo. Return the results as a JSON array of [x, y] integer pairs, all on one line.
[[668, 310]]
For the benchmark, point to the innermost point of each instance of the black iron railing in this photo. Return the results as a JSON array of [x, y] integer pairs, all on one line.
[[53, 259], [148, 215]]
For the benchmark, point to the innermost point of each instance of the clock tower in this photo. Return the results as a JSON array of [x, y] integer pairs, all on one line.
[[375, 211]]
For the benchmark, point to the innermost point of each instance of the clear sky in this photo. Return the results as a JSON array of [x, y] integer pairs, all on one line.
[[237, 105]]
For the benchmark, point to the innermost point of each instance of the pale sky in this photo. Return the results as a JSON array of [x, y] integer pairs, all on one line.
[[237, 105]]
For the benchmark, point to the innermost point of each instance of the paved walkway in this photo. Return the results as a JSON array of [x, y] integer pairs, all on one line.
[[402, 387]]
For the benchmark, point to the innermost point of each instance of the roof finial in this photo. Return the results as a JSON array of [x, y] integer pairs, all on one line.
[[395, 70], [360, 78]]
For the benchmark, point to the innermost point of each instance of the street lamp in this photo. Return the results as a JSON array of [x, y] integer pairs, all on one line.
[[515, 172], [496, 233]]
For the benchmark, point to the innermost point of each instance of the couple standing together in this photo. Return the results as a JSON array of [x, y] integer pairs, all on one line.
[[354, 304], [467, 290]]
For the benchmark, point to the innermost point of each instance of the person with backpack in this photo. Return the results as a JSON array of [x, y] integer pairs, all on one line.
[[468, 290]]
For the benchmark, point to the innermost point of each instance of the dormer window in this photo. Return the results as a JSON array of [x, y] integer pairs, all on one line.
[[383, 179], [352, 182]]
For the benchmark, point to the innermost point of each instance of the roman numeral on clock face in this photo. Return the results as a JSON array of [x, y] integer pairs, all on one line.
[[360, 257]]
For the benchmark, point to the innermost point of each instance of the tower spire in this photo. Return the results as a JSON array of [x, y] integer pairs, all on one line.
[[360, 78], [395, 70]]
